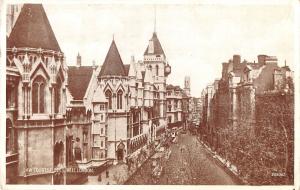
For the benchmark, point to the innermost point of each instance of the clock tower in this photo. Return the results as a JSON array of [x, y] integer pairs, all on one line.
[[155, 60]]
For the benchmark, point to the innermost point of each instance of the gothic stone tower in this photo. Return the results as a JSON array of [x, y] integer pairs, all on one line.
[[115, 79], [35, 59], [155, 61], [187, 85]]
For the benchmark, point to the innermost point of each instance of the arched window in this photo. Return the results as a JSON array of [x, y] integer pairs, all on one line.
[[108, 96], [9, 137], [150, 67], [57, 95], [157, 70], [58, 153], [38, 95], [119, 99], [77, 149]]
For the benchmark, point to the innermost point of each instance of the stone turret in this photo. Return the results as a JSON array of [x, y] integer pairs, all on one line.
[[132, 74]]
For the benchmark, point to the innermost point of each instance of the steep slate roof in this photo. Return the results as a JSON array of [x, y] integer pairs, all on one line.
[[156, 45], [170, 87], [113, 64], [32, 29], [78, 80], [127, 66]]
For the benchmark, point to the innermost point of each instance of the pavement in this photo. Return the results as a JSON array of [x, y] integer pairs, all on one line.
[[118, 174], [189, 164]]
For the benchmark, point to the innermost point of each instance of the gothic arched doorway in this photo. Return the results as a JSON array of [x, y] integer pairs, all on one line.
[[120, 151]]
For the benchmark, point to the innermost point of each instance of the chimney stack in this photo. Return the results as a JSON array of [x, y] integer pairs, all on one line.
[[261, 59], [236, 61], [94, 64], [78, 64]]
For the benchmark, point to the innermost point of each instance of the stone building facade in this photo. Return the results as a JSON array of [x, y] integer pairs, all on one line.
[[76, 116], [36, 99]]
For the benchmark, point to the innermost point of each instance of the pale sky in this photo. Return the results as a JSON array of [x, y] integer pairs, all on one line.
[[196, 38]]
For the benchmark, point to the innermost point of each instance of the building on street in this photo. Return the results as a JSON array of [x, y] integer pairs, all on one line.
[[232, 112], [84, 116]]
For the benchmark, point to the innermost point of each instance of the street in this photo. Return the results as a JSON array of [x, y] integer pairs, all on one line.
[[189, 164]]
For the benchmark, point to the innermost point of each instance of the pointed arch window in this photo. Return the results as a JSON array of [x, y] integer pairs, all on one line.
[[38, 95], [157, 69], [108, 96], [119, 99]]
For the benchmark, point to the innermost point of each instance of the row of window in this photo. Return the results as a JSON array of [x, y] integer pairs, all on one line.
[[98, 142], [156, 69], [97, 153], [108, 96], [38, 96]]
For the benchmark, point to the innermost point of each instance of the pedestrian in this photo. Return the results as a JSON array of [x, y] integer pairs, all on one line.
[[99, 178]]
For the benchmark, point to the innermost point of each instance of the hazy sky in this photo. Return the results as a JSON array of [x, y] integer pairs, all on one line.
[[196, 38]]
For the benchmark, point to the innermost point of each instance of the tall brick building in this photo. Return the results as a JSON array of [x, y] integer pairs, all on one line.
[[232, 110]]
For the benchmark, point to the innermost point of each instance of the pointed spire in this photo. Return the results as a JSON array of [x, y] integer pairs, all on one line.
[[78, 63], [132, 68], [285, 62], [148, 77], [139, 75], [32, 29], [154, 47], [154, 19], [113, 64], [94, 64], [26, 60], [53, 63]]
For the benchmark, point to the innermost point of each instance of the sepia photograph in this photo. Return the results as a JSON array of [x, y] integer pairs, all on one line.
[[127, 93]]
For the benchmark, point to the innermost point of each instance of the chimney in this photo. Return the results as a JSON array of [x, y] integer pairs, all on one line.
[[236, 60], [94, 64], [132, 59], [261, 59], [78, 64]]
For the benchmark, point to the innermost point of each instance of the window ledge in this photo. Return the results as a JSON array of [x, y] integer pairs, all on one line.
[[37, 116], [45, 116]]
